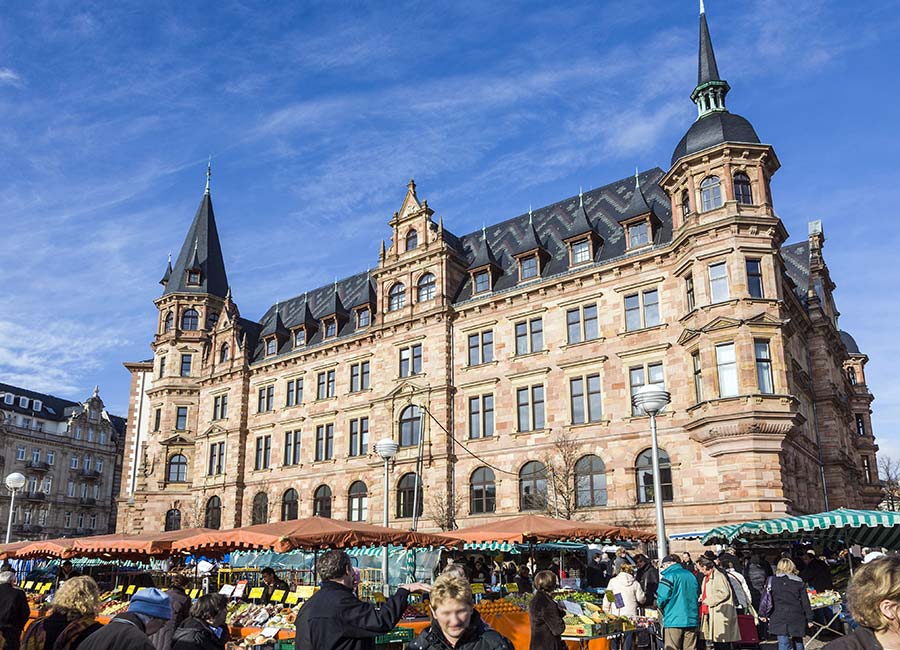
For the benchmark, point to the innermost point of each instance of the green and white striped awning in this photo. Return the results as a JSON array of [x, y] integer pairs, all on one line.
[[874, 528], [505, 547]]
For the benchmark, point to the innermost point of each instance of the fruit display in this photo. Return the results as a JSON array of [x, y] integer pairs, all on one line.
[[823, 598], [114, 608], [501, 606], [415, 611], [256, 615]]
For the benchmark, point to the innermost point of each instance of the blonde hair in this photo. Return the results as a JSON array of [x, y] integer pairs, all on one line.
[[77, 597], [450, 587], [626, 568], [874, 582], [786, 565]]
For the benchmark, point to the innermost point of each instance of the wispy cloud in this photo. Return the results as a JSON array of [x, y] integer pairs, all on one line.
[[9, 77]]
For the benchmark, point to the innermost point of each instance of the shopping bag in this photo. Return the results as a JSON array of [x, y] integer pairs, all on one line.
[[765, 603]]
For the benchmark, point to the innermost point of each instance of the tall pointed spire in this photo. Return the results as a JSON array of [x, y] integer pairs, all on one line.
[[208, 173], [200, 250], [168, 273], [709, 95]]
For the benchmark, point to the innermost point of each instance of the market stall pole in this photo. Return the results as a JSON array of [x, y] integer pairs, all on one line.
[[15, 482], [651, 399], [386, 448]]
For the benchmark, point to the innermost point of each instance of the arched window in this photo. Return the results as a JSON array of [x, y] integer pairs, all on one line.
[[644, 473], [533, 486], [260, 512], [410, 426], [412, 240], [223, 353], [426, 287], [710, 193], [482, 491], [406, 494], [190, 320], [397, 297], [177, 470], [173, 519], [322, 501], [290, 505], [590, 482], [170, 320], [742, 192], [851, 376], [685, 203], [211, 320], [213, 515], [358, 509]]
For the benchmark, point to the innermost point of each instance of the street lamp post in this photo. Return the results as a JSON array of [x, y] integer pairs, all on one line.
[[15, 482], [651, 399], [386, 448]]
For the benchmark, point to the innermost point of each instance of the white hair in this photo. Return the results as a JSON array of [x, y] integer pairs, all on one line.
[[7, 576]]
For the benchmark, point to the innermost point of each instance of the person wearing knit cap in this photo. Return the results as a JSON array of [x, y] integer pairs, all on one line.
[[147, 613]]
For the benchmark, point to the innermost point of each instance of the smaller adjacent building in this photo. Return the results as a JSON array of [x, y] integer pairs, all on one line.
[[71, 456]]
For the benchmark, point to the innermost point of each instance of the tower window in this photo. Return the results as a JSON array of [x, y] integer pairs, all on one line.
[[190, 320], [482, 281], [754, 278], [363, 317], [170, 320], [742, 192], [397, 297], [710, 193], [193, 278], [426, 287], [412, 240], [685, 203]]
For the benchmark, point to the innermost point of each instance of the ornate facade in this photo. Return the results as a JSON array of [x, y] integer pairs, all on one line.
[[503, 362]]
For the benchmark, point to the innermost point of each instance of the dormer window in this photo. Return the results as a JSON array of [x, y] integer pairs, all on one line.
[[193, 278], [300, 337], [639, 234], [710, 193], [685, 203], [8, 398], [37, 405], [397, 297], [528, 267], [412, 240], [363, 317], [330, 327], [23, 402], [271, 347], [580, 251], [482, 281], [742, 192]]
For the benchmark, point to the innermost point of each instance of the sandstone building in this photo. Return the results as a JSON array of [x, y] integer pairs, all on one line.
[[503, 362], [71, 456]]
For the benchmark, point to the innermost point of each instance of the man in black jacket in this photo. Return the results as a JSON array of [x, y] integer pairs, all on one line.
[[648, 576], [147, 613], [335, 619], [273, 583], [14, 611]]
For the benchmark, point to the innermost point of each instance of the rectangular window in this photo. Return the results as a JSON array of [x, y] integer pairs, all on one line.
[[51, 458], [67, 520], [689, 292], [581, 252], [79, 520], [481, 347], [528, 267], [529, 336], [90, 437], [642, 310], [35, 455], [294, 392], [638, 376], [359, 437], [411, 360], [20, 453], [359, 377], [70, 489], [763, 367], [726, 368], [698, 377], [93, 522], [220, 407], [157, 418], [638, 234], [325, 442], [867, 469], [98, 465], [718, 282], [581, 324], [73, 462], [263, 452], [162, 366], [185, 365], [482, 281], [329, 386], [754, 278], [216, 458], [530, 408], [481, 416], [585, 406], [330, 328], [320, 385], [363, 317], [181, 418], [291, 447], [300, 337], [860, 425], [78, 431]]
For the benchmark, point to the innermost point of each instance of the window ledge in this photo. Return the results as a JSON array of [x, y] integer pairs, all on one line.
[[262, 470], [586, 425], [530, 432], [532, 354], [410, 376], [486, 364], [324, 399], [736, 398], [599, 339], [495, 436], [358, 392], [730, 302], [661, 326], [326, 461], [632, 418]]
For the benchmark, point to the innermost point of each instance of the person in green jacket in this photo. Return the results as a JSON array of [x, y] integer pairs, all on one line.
[[677, 597]]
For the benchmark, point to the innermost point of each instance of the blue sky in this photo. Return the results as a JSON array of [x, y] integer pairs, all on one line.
[[317, 114]]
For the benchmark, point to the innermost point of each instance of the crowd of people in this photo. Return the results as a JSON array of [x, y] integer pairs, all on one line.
[[698, 602]]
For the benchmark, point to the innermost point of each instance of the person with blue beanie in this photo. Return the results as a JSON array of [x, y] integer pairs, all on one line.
[[147, 613]]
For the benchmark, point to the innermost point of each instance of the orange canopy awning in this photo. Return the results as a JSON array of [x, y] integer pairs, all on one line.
[[9, 550], [538, 529], [312, 533], [63, 547], [143, 544]]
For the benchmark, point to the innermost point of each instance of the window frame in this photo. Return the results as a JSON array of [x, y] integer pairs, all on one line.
[[535, 271], [481, 281], [532, 332], [646, 368], [324, 442], [187, 361], [358, 511], [742, 188], [597, 482], [763, 363], [358, 433], [482, 491], [530, 407], [645, 471], [180, 468], [727, 374], [481, 414], [755, 286], [590, 398], [407, 487], [718, 281], [410, 426], [396, 296], [410, 360], [711, 193], [290, 505], [322, 501], [428, 284], [637, 304], [579, 325], [575, 250]]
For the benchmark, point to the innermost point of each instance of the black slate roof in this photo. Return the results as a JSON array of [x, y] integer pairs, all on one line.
[[849, 343], [707, 70], [53, 408], [201, 247], [712, 129], [796, 261]]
